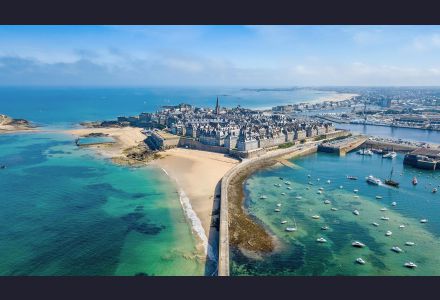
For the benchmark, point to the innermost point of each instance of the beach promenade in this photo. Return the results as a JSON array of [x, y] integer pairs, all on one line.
[[245, 169]]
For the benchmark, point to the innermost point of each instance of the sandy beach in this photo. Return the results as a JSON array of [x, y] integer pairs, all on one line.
[[335, 98], [198, 174]]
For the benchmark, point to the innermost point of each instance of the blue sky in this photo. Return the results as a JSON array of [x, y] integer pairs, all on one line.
[[219, 55]]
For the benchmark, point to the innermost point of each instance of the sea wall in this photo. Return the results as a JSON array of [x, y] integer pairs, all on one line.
[[389, 146], [223, 261], [194, 144]]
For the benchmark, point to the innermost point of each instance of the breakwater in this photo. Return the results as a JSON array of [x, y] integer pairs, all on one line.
[[242, 171]]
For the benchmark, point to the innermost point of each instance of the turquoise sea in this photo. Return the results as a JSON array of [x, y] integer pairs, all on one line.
[[301, 254]]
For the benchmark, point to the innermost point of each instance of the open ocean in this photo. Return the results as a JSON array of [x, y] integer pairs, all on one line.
[[64, 211]]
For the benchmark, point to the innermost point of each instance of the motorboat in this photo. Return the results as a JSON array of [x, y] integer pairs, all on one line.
[[409, 243], [410, 265], [321, 240], [423, 221], [319, 192], [393, 203], [283, 222], [414, 181], [388, 233], [390, 155], [309, 175], [356, 212], [379, 197], [321, 188], [355, 190], [385, 218], [263, 197], [290, 229], [277, 210], [402, 226], [329, 181], [360, 261], [373, 180], [289, 188], [396, 249], [277, 185], [279, 204], [324, 228], [352, 177], [315, 217], [434, 190], [334, 209], [327, 202], [287, 182], [358, 244], [375, 224], [383, 209], [298, 197], [283, 194]]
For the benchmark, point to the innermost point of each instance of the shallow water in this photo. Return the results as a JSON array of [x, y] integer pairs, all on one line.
[[302, 255], [64, 211]]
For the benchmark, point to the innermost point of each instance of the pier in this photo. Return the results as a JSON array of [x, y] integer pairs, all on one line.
[[342, 146]]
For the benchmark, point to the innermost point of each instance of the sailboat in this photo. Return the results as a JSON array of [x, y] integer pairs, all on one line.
[[391, 182]]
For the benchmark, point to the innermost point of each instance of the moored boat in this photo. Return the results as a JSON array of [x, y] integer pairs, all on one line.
[[410, 265], [290, 229], [352, 177], [388, 233], [423, 221], [390, 155], [396, 249], [360, 261], [414, 181], [315, 217], [385, 218], [373, 180], [409, 243], [327, 202], [356, 212], [321, 240], [375, 224], [358, 244]]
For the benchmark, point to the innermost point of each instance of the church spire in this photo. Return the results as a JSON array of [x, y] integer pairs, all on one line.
[[217, 107]]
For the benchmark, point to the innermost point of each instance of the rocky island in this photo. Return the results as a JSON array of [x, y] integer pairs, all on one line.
[[8, 125]]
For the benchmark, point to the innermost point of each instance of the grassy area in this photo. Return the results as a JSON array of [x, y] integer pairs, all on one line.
[[286, 145]]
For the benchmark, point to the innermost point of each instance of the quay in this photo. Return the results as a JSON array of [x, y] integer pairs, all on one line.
[[428, 159], [342, 146]]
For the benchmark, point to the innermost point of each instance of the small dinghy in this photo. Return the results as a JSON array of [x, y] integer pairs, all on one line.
[[388, 233], [375, 224], [279, 204], [289, 188], [277, 210], [355, 190], [283, 222], [321, 240], [409, 243], [402, 226], [356, 212], [290, 229], [315, 217], [298, 197], [334, 209], [327, 202], [328, 181], [379, 197], [423, 221], [360, 261], [283, 194], [393, 203], [385, 218], [358, 244], [263, 197], [383, 209]]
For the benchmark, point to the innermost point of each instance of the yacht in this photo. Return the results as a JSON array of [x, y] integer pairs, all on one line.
[[375, 224], [360, 261], [423, 221], [358, 244], [373, 180], [396, 249], [283, 222], [327, 202], [410, 265], [379, 197], [290, 229], [315, 217], [365, 152], [324, 228], [388, 233], [384, 218], [321, 240], [393, 203], [356, 212], [390, 155], [409, 243], [263, 197]]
